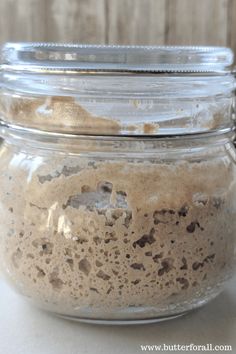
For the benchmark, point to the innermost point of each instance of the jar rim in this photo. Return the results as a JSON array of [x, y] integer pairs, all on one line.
[[79, 58], [40, 88]]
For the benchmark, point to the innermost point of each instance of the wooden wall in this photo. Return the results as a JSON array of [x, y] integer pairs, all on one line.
[[206, 22]]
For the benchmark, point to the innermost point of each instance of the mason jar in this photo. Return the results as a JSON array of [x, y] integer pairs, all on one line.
[[117, 178]]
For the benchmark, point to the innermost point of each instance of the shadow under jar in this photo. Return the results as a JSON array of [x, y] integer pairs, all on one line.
[[117, 178]]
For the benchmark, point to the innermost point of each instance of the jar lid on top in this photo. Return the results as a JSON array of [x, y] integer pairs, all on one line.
[[116, 90]]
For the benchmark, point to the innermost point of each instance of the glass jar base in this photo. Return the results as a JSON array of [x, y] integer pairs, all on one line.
[[131, 315], [141, 315], [119, 322], [134, 315]]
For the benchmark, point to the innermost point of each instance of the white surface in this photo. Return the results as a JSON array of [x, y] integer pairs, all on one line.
[[26, 330]]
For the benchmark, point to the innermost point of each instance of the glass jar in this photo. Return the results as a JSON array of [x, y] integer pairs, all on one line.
[[118, 178]]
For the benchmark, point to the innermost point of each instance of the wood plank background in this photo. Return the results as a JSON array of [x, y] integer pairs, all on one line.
[[197, 22]]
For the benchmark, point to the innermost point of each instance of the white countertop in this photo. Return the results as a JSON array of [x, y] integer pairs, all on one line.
[[27, 330]]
